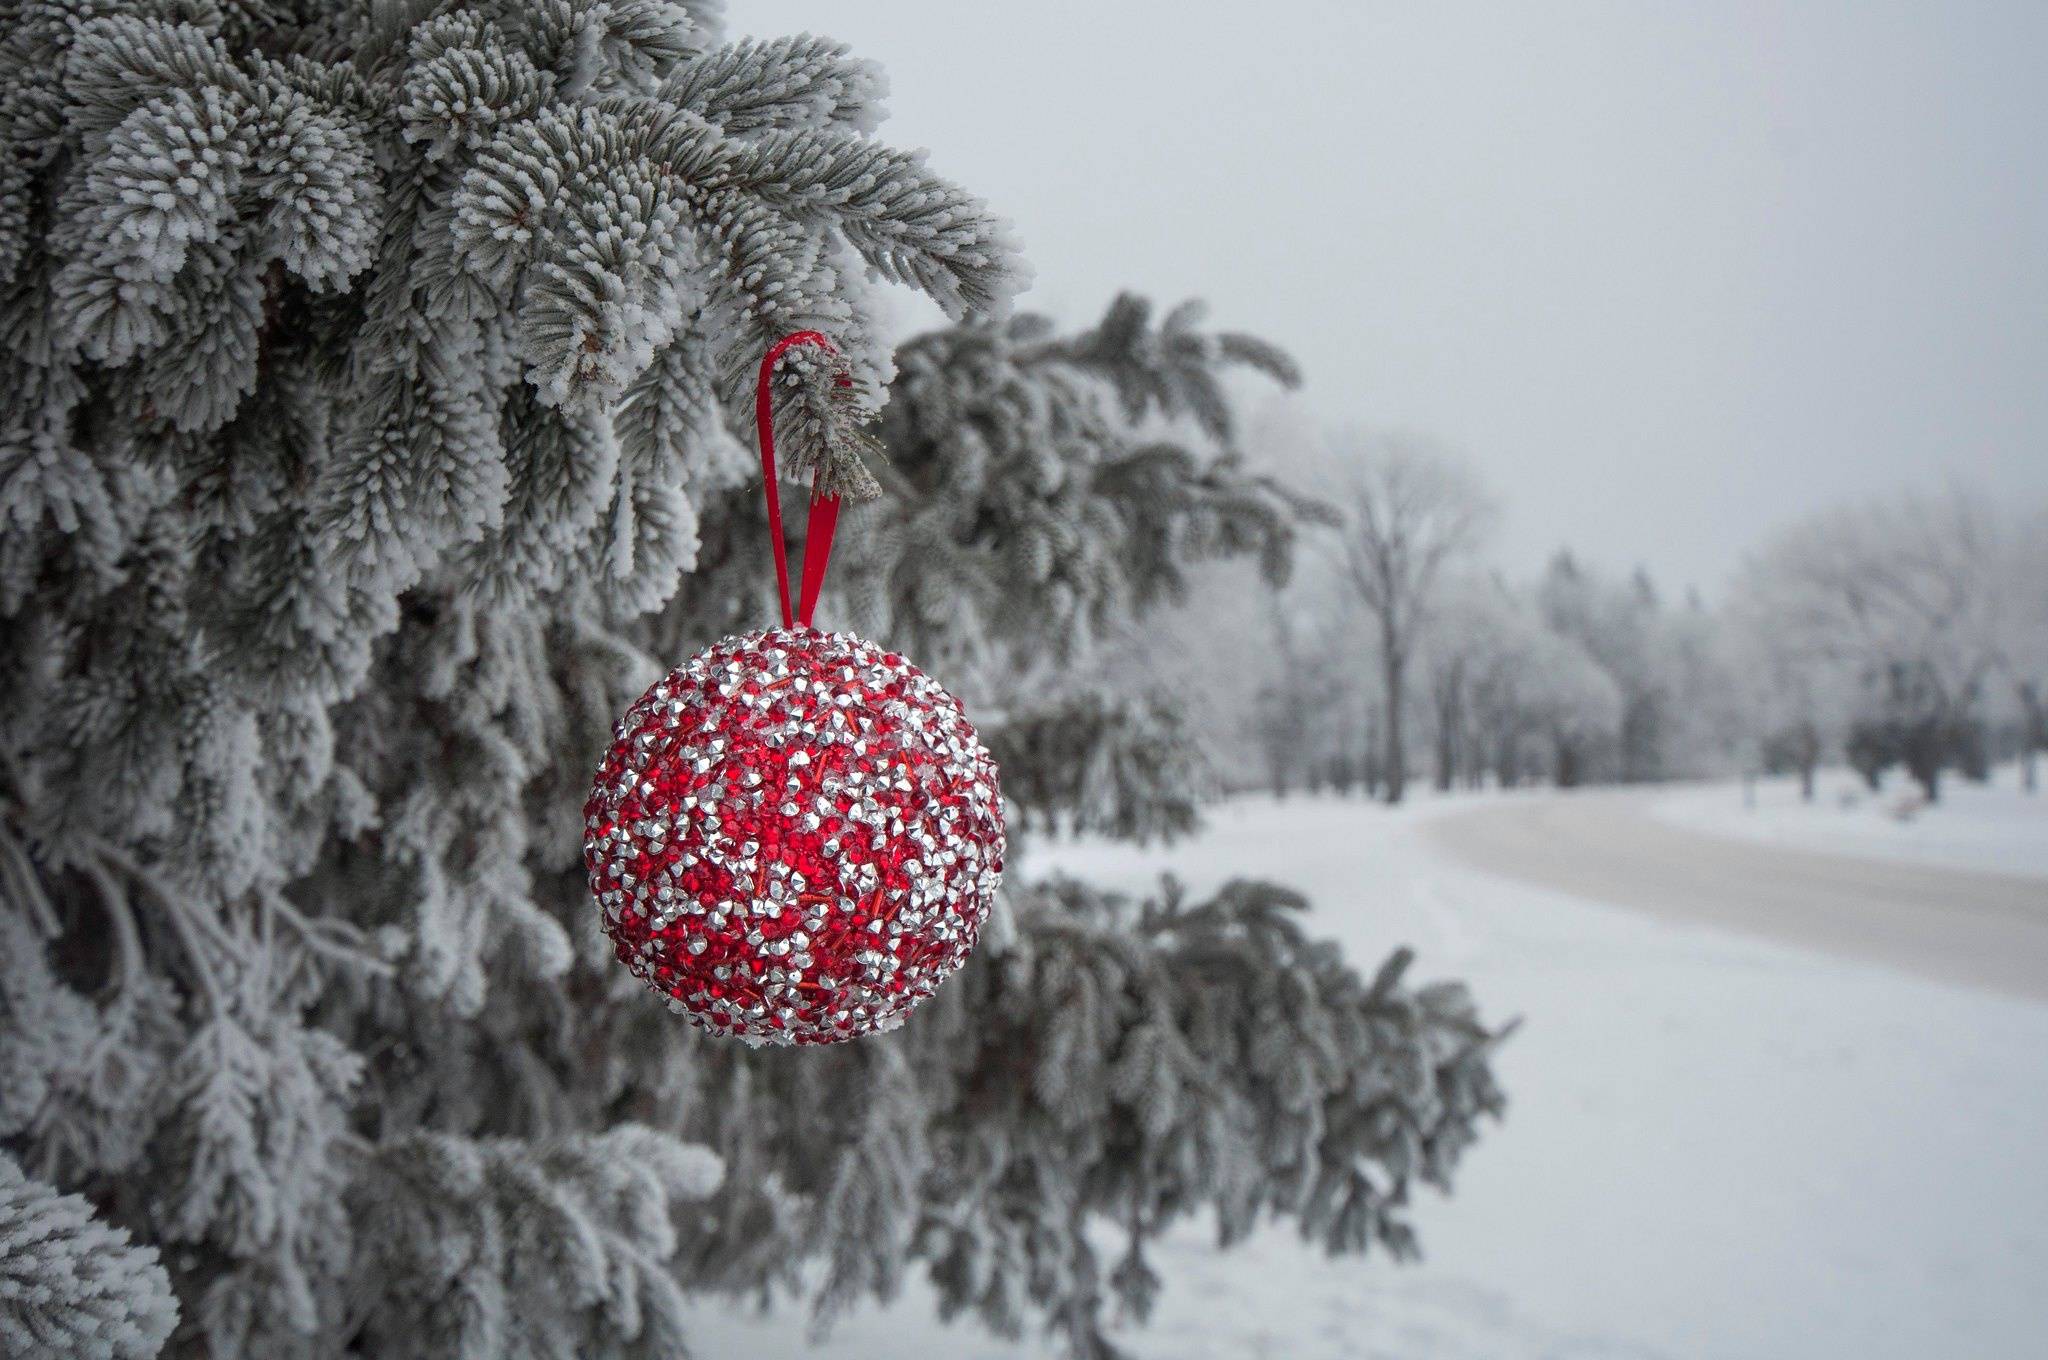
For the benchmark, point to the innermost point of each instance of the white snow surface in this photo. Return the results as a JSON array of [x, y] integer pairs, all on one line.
[[1716, 1147], [1992, 827]]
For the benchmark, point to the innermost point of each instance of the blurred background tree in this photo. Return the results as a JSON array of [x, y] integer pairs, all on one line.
[[1893, 613], [1412, 512]]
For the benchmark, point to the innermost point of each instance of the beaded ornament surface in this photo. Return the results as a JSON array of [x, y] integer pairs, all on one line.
[[795, 837]]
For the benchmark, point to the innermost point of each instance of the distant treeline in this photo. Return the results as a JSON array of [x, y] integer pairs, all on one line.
[[1909, 633]]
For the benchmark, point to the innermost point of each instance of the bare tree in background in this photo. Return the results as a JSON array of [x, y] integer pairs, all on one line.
[[2023, 640], [1904, 593], [1410, 508], [1570, 700], [1478, 623], [1797, 691]]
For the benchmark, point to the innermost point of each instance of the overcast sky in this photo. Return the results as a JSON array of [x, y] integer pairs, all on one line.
[[1667, 274]]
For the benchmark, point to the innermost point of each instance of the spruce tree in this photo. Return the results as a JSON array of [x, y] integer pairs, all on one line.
[[371, 376]]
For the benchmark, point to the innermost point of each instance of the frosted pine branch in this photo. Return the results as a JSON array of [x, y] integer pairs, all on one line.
[[360, 399], [72, 1286], [802, 82]]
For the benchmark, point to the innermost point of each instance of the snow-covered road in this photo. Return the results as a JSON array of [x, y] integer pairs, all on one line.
[[1952, 925], [1719, 1147]]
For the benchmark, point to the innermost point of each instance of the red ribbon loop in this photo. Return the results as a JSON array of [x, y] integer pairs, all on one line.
[[824, 509]]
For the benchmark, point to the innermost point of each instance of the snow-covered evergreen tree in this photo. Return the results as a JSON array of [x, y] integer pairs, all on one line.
[[370, 373], [1053, 490]]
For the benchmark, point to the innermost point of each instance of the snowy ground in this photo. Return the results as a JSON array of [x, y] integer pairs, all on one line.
[[1717, 1147], [1992, 827]]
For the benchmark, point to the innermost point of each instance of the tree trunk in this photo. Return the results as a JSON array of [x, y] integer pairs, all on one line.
[[1567, 763], [1369, 771], [1640, 760], [1926, 753], [1926, 772], [1809, 760], [1397, 755], [2032, 733], [1450, 718]]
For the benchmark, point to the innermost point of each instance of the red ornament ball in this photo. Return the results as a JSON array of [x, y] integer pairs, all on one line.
[[795, 837]]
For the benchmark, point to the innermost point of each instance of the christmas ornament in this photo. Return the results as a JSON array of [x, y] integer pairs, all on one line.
[[796, 835]]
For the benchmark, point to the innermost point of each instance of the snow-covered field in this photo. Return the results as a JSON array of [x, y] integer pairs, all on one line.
[[1717, 1147], [1994, 827]]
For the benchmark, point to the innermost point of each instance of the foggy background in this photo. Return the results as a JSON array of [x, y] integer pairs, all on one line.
[[1667, 275], [1744, 308]]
